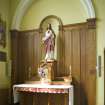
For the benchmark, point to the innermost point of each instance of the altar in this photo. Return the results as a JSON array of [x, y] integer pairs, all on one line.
[[51, 88], [67, 90]]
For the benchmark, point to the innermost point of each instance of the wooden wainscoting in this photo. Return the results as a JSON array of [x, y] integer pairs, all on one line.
[[77, 50], [4, 96]]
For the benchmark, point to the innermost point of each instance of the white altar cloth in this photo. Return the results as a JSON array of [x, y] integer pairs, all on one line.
[[43, 88]]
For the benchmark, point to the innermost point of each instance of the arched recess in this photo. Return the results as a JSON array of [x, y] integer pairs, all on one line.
[[25, 4], [56, 24]]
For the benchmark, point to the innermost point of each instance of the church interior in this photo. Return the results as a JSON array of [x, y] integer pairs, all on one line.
[[52, 52]]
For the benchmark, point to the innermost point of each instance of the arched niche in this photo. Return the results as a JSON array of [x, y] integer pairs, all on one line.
[[56, 24]]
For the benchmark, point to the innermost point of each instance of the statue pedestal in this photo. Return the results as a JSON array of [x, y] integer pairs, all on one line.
[[48, 69]]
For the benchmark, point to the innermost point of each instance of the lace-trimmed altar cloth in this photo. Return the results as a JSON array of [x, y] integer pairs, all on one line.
[[43, 88]]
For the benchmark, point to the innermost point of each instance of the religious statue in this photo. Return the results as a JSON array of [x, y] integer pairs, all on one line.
[[49, 42]]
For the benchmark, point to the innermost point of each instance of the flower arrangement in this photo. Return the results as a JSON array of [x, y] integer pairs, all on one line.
[[43, 71]]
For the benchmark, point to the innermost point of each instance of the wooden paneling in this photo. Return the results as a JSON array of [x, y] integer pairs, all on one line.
[[74, 42], [91, 63], [4, 96], [80, 53], [14, 58], [37, 50], [67, 49], [14, 55], [25, 55], [43, 99], [29, 54], [75, 67], [83, 83], [60, 53]]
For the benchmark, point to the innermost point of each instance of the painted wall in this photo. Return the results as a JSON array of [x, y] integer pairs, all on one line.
[[4, 11], [99, 8], [65, 9]]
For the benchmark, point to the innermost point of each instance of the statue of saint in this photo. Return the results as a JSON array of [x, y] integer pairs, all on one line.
[[49, 42]]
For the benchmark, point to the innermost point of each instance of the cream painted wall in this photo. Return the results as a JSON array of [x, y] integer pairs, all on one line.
[[65, 9], [5, 12], [100, 15]]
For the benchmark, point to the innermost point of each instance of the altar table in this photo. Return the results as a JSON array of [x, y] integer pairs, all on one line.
[[43, 88]]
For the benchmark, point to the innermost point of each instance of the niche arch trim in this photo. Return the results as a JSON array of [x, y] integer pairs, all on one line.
[[53, 17]]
